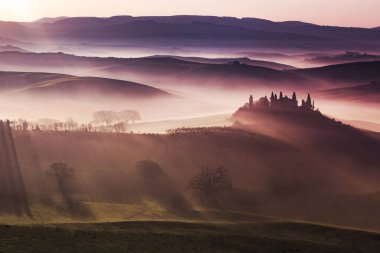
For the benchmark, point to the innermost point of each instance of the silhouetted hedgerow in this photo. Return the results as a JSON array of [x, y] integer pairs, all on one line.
[[103, 121], [209, 131]]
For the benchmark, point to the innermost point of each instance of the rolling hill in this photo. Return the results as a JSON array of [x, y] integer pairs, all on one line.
[[370, 126], [343, 74], [224, 75], [347, 57], [59, 84], [273, 177], [162, 69], [50, 20], [184, 70], [196, 71], [10, 48], [245, 60], [369, 93]]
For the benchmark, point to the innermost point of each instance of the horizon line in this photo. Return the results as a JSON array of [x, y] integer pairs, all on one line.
[[189, 15]]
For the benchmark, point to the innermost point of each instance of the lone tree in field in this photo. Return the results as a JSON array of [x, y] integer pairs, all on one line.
[[210, 185], [63, 173], [65, 176]]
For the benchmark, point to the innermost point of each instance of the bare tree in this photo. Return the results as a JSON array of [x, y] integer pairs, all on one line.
[[71, 124], [62, 172], [129, 115], [47, 124], [120, 127], [210, 185], [37, 128], [21, 124], [107, 117]]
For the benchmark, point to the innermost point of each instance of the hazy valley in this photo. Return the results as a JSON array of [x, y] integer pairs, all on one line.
[[189, 134]]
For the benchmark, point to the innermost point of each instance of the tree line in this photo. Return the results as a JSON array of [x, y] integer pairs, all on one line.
[[103, 121]]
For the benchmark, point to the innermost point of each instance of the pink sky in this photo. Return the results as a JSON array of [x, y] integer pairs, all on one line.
[[364, 13]]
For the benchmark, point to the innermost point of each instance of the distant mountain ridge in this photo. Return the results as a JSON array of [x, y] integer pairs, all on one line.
[[294, 27], [196, 31], [49, 20]]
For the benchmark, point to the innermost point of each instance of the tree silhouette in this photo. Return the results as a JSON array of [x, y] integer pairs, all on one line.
[[106, 117], [64, 174], [210, 185], [71, 124], [129, 115]]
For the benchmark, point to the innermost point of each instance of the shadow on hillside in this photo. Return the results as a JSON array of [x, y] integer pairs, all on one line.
[[74, 208], [158, 186], [67, 187], [13, 198]]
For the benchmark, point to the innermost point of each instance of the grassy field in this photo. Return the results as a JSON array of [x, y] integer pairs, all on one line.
[[164, 236]]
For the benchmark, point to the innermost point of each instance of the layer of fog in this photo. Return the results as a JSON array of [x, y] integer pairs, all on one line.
[[161, 114], [194, 99], [294, 57]]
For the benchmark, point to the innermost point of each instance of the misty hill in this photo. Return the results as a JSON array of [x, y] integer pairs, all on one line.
[[184, 70], [272, 177], [222, 75], [364, 125], [364, 93], [195, 31], [59, 84], [245, 60], [49, 20], [344, 58], [305, 126], [8, 41], [10, 48], [163, 69], [348, 73]]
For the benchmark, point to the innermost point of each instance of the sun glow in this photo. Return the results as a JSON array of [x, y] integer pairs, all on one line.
[[16, 8], [14, 4]]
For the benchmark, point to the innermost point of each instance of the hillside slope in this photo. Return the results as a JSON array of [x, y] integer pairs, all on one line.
[[348, 73], [186, 237], [369, 93], [343, 58], [59, 84], [266, 64], [272, 177], [195, 71], [153, 69]]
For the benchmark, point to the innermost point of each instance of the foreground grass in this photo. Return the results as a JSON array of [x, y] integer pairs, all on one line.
[[185, 237]]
